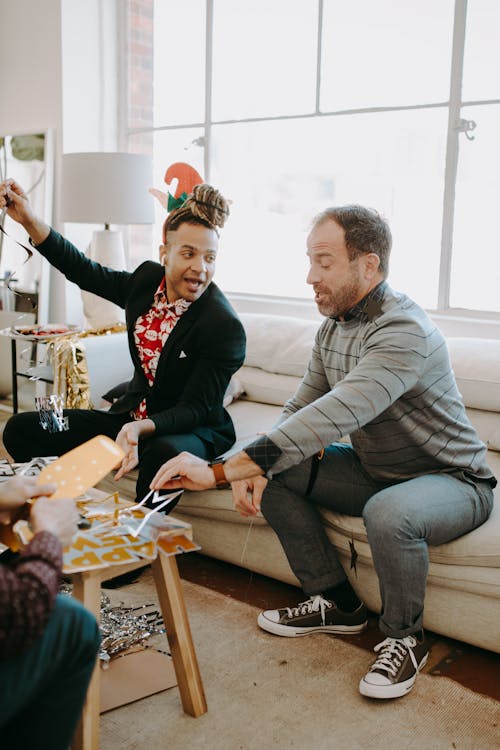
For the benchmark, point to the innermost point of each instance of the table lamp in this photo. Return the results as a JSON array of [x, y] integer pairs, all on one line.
[[106, 188]]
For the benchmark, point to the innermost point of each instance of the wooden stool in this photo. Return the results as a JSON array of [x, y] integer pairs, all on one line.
[[87, 589]]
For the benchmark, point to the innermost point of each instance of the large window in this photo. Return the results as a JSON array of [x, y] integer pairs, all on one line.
[[290, 106]]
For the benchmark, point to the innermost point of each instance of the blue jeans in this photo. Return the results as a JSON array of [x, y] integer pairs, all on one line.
[[401, 519], [43, 689]]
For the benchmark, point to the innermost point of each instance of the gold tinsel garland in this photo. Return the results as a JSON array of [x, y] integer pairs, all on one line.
[[69, 362]]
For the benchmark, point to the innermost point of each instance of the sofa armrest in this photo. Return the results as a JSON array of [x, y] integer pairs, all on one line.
[[108, 363]]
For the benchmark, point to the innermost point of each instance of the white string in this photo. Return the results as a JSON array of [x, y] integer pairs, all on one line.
[[246, 539], [148, 515]]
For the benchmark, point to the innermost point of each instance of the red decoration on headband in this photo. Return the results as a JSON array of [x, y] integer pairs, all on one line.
[[186, 175], [187, 178]]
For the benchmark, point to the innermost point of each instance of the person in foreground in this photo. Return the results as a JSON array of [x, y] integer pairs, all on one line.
[[185, 341], [48, 641], [415, 470]]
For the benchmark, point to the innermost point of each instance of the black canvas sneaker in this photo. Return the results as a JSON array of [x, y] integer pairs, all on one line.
[[395, 669], [316, 615]]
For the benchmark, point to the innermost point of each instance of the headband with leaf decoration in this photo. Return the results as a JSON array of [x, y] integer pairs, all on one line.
[[189, 198], [186, 178]]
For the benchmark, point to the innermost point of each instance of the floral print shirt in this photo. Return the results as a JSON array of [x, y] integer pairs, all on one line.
[[151, 332]]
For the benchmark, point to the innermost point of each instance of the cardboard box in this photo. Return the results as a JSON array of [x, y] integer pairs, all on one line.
[[135, 675]]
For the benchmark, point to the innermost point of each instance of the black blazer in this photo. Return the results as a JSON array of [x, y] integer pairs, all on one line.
[[205, 347]]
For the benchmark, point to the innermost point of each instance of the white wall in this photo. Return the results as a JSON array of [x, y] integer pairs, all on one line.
[[30, 61], [89, 75], [59, 70]]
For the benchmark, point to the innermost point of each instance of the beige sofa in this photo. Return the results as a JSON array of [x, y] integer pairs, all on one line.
[[463, 592]]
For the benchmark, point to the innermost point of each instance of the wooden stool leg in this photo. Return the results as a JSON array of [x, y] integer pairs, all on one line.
[[87, 589], [170, 595]]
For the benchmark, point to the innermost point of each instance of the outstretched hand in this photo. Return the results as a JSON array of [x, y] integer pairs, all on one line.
[[15, 202], [15, 492], [184, 471], [128, 440]]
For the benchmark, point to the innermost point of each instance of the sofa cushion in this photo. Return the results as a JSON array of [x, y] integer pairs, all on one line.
[[487, 425], [108, 363], [233, 391], [277, 343], [476, 363], [251, 419], [267, 387], [479, 580]]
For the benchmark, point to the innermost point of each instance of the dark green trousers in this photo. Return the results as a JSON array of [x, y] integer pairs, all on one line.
[[42, 690]]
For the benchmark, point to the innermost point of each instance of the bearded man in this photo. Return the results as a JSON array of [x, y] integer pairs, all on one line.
[[415, 469]]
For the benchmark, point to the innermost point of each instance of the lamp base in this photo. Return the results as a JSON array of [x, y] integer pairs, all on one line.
[[107, 249]]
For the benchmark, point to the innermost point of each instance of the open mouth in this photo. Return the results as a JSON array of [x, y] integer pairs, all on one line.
[[193, 284], [318, 293]]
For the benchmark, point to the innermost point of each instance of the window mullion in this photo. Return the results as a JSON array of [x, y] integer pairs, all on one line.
[[452, 151], [207, 141], [319, 55]]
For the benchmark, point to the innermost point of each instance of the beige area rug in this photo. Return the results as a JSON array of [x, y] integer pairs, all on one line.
[[267, 692]]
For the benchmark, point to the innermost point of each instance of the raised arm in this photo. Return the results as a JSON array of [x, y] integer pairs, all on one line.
[[15, 201]]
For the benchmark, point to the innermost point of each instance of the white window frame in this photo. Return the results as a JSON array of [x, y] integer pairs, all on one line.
[[453, 321]]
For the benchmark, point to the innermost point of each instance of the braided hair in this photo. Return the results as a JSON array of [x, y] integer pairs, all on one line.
[[205, 206]]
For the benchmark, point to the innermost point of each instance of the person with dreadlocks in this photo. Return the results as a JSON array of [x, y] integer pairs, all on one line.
[[185, 341]]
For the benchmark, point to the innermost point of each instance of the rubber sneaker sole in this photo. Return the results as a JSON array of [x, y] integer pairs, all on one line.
[[396, 690], [289, 631]]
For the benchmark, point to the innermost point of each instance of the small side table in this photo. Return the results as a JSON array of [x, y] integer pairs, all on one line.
[[86, 588]]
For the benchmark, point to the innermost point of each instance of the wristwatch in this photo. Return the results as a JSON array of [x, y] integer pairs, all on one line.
[[217, 467]]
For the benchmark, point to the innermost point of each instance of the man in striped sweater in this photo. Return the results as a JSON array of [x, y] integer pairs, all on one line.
[[415, 469]]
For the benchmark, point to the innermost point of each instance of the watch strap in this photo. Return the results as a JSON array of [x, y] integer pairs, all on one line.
[[220, 475]]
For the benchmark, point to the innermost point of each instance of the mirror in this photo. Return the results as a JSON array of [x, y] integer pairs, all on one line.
[[29, 159]]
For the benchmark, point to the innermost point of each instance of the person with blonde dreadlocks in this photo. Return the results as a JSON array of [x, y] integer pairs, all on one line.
[[185, 341]]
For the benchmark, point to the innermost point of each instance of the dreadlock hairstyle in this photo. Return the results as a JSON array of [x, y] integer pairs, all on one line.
[[205, 205]]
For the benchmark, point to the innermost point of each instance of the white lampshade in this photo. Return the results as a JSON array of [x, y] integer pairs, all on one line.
[[107, 188]]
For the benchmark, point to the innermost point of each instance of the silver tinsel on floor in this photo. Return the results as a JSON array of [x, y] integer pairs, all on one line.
[[124, 627]]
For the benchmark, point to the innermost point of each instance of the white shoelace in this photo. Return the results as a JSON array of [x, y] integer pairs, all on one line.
[[314, 604], [392, 653]]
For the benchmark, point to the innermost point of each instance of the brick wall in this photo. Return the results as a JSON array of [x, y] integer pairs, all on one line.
[[140, 108], [140, 63]]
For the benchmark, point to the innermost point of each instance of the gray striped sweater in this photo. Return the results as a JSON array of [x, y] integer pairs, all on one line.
[[384, 379]]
